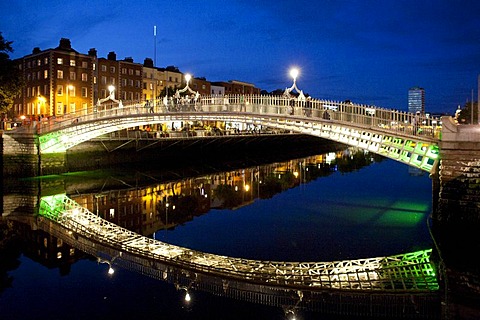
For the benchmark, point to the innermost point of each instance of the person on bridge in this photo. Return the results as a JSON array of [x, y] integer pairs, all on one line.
[[415, 121]]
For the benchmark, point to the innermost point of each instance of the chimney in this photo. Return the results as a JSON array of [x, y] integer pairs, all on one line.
[[36, 50], [65, 44], [92, 52], [148, 62], [112, 56]]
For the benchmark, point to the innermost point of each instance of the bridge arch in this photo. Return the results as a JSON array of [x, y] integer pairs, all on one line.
[[385, 132]]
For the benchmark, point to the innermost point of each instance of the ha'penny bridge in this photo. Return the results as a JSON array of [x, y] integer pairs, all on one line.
[[294, 284], [449, 152]]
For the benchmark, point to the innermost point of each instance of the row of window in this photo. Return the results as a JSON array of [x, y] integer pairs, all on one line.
[[35, 91], [123, 70], [60, 75], [60, 61]]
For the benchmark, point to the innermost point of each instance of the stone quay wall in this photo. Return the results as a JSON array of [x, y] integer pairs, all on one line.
[[459, 174]]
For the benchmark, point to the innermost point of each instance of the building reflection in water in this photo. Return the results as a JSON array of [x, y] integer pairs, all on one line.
[[145, 208]]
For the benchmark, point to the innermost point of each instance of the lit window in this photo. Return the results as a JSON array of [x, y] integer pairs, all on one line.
[[59, 74], [45, 74], [72, 63], [59, 60], [84, 77], [59, 255]]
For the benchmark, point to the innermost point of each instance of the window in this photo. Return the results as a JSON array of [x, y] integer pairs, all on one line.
[[59, 90], [72, 63], [103, 93], [84, 77], [94, 66], [45, 60], [39, 62], [84, 92], [73, 75], [137, 72], [85, 64], [59, 74], [104, 68], [59, 60], [112, 69], [45, 74], [130, 71], [137, 84], [124, 70], [112, 81], [103, 80], [59, 108]]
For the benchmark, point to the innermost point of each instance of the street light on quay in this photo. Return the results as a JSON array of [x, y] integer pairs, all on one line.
[[111, 90], [294, 74]]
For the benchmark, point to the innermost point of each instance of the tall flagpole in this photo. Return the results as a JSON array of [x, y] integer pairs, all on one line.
[[154, 46]]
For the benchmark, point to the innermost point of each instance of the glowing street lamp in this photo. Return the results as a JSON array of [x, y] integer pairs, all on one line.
[[294, 74], [188, 77], [111, 90]]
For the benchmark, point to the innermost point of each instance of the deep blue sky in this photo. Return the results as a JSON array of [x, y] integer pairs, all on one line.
[[367, 51]]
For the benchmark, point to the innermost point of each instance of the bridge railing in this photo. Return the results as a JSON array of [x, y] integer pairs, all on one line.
[[279, 106]]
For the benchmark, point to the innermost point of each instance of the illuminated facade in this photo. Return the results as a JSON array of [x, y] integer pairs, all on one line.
[[63, 81], [125, 75], [416, 100], [57, 82]]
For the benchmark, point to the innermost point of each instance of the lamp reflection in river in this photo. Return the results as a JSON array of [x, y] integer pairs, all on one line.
[[111, 271]]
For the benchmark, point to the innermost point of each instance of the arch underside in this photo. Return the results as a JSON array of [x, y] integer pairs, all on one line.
[[418, 152], [409, 272]]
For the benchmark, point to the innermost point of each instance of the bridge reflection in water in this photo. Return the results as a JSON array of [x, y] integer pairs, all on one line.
[[293, 285]]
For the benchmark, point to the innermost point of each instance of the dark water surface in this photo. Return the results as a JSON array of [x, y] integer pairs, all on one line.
[[376, 210]]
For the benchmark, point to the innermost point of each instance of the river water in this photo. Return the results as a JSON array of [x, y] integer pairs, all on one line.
[[344, 204]]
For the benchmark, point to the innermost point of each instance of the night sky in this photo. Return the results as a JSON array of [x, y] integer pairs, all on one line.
[[366, 51]]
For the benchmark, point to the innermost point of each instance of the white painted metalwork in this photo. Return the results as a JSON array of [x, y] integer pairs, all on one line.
[[386, 132], [410, 272]]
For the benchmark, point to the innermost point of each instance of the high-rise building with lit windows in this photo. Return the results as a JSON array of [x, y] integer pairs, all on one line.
[[416, 100]]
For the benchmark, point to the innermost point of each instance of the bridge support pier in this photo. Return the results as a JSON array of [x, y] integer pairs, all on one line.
[[456, 218], [21, 157]]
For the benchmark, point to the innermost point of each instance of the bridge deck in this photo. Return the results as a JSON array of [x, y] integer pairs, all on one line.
[[410, 272]]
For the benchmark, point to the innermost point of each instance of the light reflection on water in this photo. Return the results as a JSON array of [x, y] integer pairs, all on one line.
[[376, 211]]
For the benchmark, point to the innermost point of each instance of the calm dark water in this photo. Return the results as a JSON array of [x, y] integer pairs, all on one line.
[[376, 210]]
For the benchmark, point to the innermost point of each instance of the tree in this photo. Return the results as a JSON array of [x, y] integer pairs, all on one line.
[[465, 116], [10, 78]]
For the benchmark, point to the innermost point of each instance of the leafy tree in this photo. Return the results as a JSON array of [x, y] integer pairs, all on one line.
[[465, 115], [10, 78]]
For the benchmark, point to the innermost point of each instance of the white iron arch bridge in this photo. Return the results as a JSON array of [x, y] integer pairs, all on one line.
[[390, 133]]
